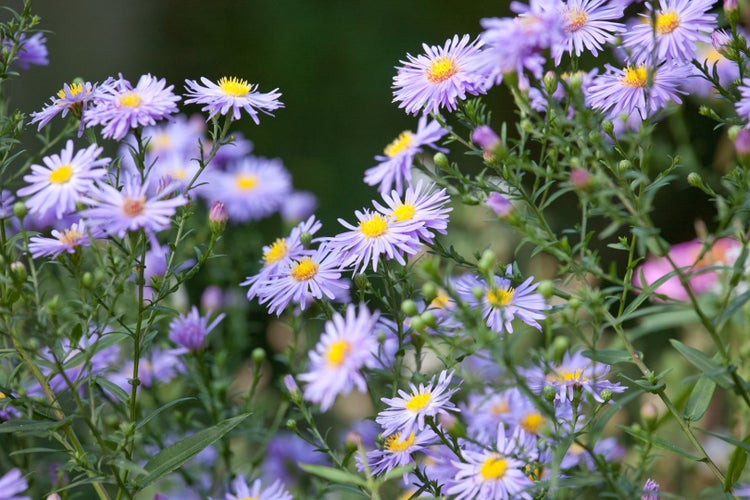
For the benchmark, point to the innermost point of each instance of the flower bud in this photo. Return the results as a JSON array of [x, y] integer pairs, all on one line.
[[291, 424], [649, 415], [546, 288], [606, 395], [625, 165], [732, 12], [742, 146], [549, 393], [580, 178], [18, 271], [485, 137], [306, 239], [608, 127], [550, 82], [291, 386], [429, 291], [526, 125], [217, 217], [361, 281], [429, 319], [409, 308], [440, 160], [733, 131], [695, 180], [487, 262], [499, 204], [478, 292], [87, 280], [560, 346], [258, 355], [19, 209]]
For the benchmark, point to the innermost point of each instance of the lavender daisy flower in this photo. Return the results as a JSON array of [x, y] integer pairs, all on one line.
[[629, 90], [117, 212], [650, 490], [232, 94], [588, 25], [7, 199], [679, 24], [298, 206], [241, 491], [71, 98], [425, 205], [190, 330], [373, 237], [32, 51], [398, 450], [348, 345], [119, 106], [440, 77], [67, 240], [310, 277], [406, 413], [161, 365], [743, 104], [11, 484], [284, 453], [64, 179], [395, 167], [7, 412]]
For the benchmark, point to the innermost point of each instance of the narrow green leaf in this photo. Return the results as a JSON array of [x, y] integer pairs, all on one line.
[[32, 426], [659, 443], [731, 309], [705, 364], [113, 389], [700, 399], [334, 475], [126, 465], [161, 409], [174, 456], [736, 465]]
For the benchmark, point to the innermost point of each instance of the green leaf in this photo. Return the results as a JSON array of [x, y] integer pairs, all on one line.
[[736, 465], [731, 309], [174, 456], [161, 409], [33, 426], [113, 389], [659, 443], [334, 475], [708, 366], [700, 399]]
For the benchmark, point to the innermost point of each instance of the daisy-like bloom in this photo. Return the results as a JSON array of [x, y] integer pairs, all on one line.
[[588, 25], [298, 206], [7, 199], [743, 105], [484, 412], [251, 189], [71, 98], [679, 24], [395, 167], [119, 106], [190, 330], [440, 77], [67, 240], [490, 474], [406, 413], [633, 90], [348, 345], [241, 491], [63, 180], [420, 204], [299, 281], [11, 484], [118, 211], [398, 450], [375, 236], [231, 94], [650, 490], [32, 51], [7, 412], [577, 455], [161, 365]]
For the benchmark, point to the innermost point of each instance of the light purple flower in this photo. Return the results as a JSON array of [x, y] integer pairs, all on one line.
[[7, 412], [577, 455], [32, 51], [588, 25], [743, 104], [650, 490], [485, 137], [190, 330], [298, 206], [232, 95], [160, 365], [284, 453], [67, 240], [398, 450], [11, 484], [241, 491], [423, 204], [71, 98], [499, 204], [7, 199]]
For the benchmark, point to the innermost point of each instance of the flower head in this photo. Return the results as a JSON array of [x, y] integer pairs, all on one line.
[[588, 25], [67, 240], [244, 492], [398, 450], [190, 330], [72, 97], [11, 484], [231, 94], [650, 490], [32, 51], [423, 204]]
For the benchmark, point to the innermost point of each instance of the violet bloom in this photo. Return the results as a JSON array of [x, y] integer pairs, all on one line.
[[650, 490], [67, 240], [398, 450], [284, 453], [420, 203], [485, 137], [298, 206], [119, 106], [588, 25], [161, 365], [499, 204], [7, 412], [241, 491], [71, 98], [743, 104], [32, 51], [190, 330], [232, 95], [11, 484], [7, 199]]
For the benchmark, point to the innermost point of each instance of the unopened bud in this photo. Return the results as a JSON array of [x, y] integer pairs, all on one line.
[[625, 165], [580, 178], [429, 319], [361, 281], [549, 393], [429, 291], [606, 395], [217, 217], [291, 424], [291, 386], [18, 271], [608, 127], [441, 161], [487, 262], [732, 12], [546, 288], [478, 292], [258, 355], [87, 280], [409, 308], [560, 346], [733, 131], [550, 82], [526, 125], [695, 180], [306, 239], [649, 415], [485, 137], [742, 146], [19, 209]]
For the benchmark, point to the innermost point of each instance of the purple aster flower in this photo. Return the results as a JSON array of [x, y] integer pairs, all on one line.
[[632, 89], [491, 474], [486, 138], [119, 106], [425, 205], [7, 412], [7, 199], [117, 212], [348, 345], [439, 77], [743, 105], [395, 167], [588, 25], [679, 24], [32, 51], [713, 57], [650, 490], [11, 484], [484, 412], [398, 450], [406, 413], [64, 179], [576, 455], [190, 330], [373, 237], [241, 491], [232, 94], [251, 189], [284, 453], [67, 240], [298, 206], [499, 204], [71, 98], [161, 365], [309, 277]]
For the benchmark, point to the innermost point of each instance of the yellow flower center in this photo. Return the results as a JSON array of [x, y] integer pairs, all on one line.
[[577, 19], [419, 402], [275, 252], [500, 298], [374, 227], [667, 22], [441, 69], [160, 141], [133, 206], [246, 182], [394, 444], [337, 352], [404, 212], [500, 408], [178, 173], [566, 376], [304, 270], [129, 100], [493, 468], [713, 56], [61, 174], [2, 395], [75, 89], [250, 498], [635, 77], [399, 144], [441, 301], [69, 236], [532, 422], [234, 87]]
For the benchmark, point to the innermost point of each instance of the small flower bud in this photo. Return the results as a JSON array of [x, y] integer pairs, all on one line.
[[217, 217], [608, 127], [547, 289], [417, 324], [87, 280], [580, 178], [18, 271], [742, 146], [428, 318], [550, 82], [409, 308], [649, 415], [499, 204], [19, 209], [306, 239], [606, 395], [485, 137], [695, 180], [625, 165], [291, 386], [733, 131], [526, 125], [478, 292], [429, 291], [352, 441], [361, 281], [560, 346], [487, 262], [732, 12], [258, 355], [574, 303], [440, 160], [291, 424], [549, 393], [575, 81]]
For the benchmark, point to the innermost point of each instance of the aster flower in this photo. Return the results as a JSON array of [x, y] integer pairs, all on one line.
[[11, 484], [440, 77], [7, 412], [7, 199], [406, 413], [242, 491], [71, 98], [395, 167], [376, 236], [577, 455], [633, 90], [499, 204], [67, 240], [650, 490], [190, 330], [298, 206], [117, 212], [588, 25], [679, 24], [743, 104], [32, 51], [484, 412], [232, 94], [284, 452], [420, 204], [64, 179], [119, 106], [398, 450], [309, 277], [348, 345], [161, 365]]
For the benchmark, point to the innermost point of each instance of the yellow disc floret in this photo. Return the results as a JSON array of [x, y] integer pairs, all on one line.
[[304, 270], [441, 68], [493, 468], [61, 174], [667, 22], [74, 88], [246, 182], [133, 206], [399, 144], [234, 87], [394, 444], [374, 227], [404, 212], [276, 251], [419, 401], [635, 77], [499, 297], [532, 422], [577, 19], [69, 236], [337, 352], [129, 100]]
